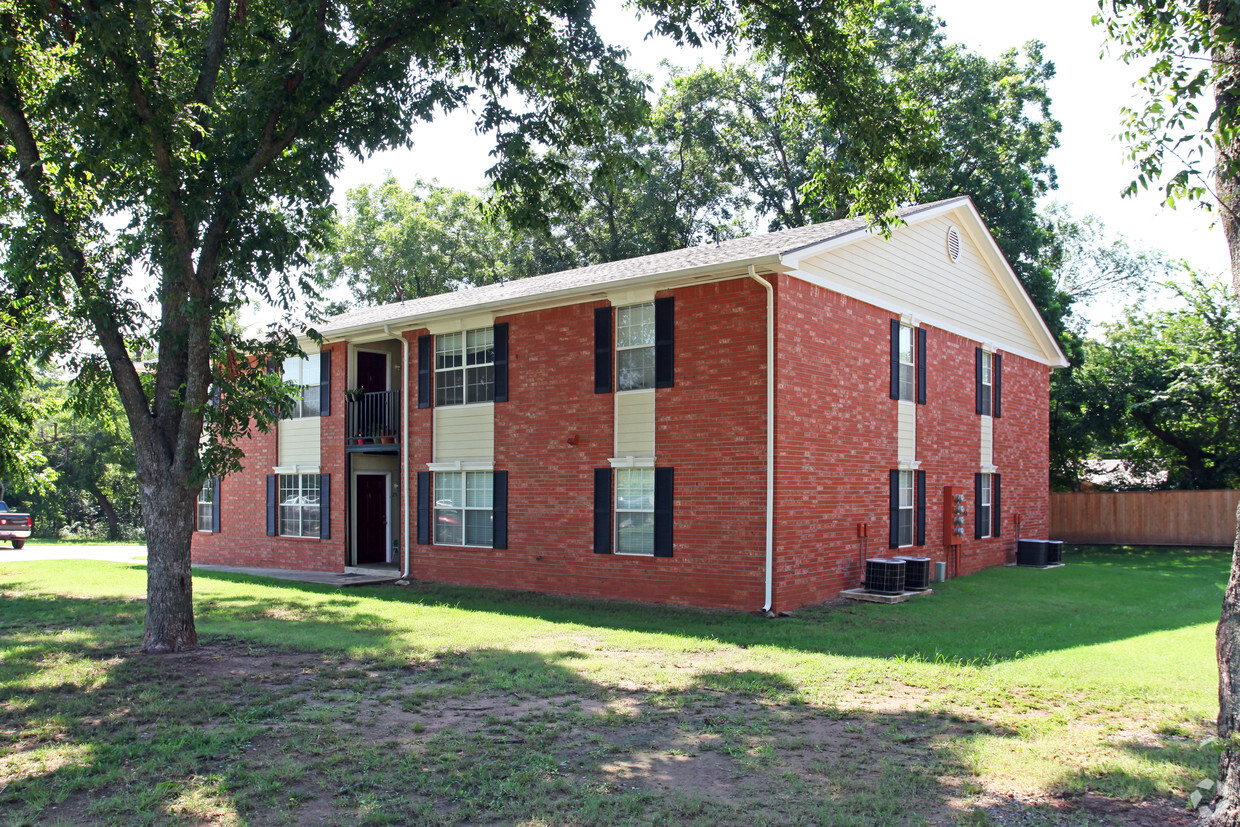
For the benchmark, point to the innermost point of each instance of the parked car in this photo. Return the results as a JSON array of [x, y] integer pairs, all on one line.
[[15, 526]]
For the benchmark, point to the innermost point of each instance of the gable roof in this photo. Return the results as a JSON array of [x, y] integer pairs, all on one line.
[[766, 253]]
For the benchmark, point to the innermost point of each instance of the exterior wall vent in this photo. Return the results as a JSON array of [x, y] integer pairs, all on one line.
[[953, 244]]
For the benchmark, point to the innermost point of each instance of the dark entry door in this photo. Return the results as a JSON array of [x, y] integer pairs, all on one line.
[[372, 372], [372, 519]]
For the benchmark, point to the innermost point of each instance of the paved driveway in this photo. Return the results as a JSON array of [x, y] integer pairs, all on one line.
[[35, 550]]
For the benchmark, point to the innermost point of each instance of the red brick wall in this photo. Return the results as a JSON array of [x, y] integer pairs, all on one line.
[[709, 428], [837, 443], [243, 540]]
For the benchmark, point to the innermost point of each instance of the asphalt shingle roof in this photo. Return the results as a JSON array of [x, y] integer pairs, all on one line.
[[732, 250]]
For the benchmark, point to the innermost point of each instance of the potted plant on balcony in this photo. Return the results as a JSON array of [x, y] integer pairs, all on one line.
[[354, 394], [379, 433]]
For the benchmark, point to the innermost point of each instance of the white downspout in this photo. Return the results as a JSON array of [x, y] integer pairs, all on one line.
[[404, 453], [770, 437]]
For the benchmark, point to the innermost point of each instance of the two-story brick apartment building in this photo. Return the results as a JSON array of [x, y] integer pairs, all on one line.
[[716, 426]]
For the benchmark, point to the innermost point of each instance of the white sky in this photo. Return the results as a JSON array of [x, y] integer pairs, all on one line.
[[1086, 95]]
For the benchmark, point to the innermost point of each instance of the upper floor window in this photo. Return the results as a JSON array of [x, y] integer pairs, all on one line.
[[465, 367], [635, 337], [303, 371], [988, 381], [907, 365], [206, 505]]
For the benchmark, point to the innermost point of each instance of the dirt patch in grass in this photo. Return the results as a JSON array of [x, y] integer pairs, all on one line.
[[231, 733]]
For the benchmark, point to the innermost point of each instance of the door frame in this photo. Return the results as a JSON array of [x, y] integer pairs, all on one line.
[[387, 364], [387, 511]]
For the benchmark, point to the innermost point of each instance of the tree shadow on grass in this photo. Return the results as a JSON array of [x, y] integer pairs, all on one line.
[[995, 615], [251, 733]]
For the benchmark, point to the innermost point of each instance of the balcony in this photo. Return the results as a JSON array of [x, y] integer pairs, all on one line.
[[372, 419]]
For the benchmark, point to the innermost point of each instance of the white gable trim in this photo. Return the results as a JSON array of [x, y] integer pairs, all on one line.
[[970, 222]]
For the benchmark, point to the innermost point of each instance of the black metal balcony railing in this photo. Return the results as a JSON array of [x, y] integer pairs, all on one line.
[[373, 418]]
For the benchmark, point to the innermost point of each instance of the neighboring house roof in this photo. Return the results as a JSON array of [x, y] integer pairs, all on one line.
[[767, 253]]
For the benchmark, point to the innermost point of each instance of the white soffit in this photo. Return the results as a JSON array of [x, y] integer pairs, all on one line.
[[977, 297]]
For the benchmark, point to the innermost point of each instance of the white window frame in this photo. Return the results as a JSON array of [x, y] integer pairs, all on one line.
[[472, 391], [984, 506], [908, 368], [463, 506], [206, 505], [988, 383], [298, 371], [906, 505], [628, 379], [643, 505], [306, 487]]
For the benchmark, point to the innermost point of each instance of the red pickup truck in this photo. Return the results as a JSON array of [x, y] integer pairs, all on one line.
[[14, 526]]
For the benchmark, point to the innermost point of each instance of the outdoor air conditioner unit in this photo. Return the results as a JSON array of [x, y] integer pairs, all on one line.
[[1032, 553], [916, 572], [1054, 551], [884, 575]]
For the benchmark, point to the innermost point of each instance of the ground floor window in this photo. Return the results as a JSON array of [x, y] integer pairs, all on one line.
[[984, 488], [206, 505], [635, 510], [463, 508], [905, 512], [300, 505]]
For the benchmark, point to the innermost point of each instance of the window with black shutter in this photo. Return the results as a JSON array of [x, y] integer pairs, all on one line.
[[995, 506], [424, 508], [921, 509], [272, 481], [998, 384], [921, 366], [602, 511], [426, 356], [501, 362], [325, 383], [602, 349], [663, 499], [499, 510]]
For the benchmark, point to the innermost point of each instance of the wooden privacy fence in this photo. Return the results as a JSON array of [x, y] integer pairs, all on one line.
[[1150, 518]]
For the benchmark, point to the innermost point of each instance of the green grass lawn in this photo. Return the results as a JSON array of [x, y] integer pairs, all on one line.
[[1074, 696]]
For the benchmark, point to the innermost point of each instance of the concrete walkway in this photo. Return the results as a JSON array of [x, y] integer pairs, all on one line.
[[136, 555]]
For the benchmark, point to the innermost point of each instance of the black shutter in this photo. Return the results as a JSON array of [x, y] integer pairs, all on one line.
[[996, 377], [271, 505], [499, 509], [921, 366], [978, 379], [994, 504], [602, 350], [921, 508], [325, 383], [602, 510], [664, 344], [325, 506], [215, 505], [893, 539], [424, 508], [663, 512], [501, 364], [895, 360], [426, 352], [979, 524]]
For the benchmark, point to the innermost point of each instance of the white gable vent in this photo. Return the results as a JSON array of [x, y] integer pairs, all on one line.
[[953, 244]]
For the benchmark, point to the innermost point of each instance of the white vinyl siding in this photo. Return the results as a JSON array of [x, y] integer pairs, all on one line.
[[299, 442], [465, 433], [987, 453], [906, 430], [965, 296], [635, 424]]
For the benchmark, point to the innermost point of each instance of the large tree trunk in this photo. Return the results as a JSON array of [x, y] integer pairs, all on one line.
[[168, 514], [1223, 14], [1227, 647]]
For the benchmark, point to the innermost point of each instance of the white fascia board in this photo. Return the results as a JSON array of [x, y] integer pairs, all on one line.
[[559, 298]]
